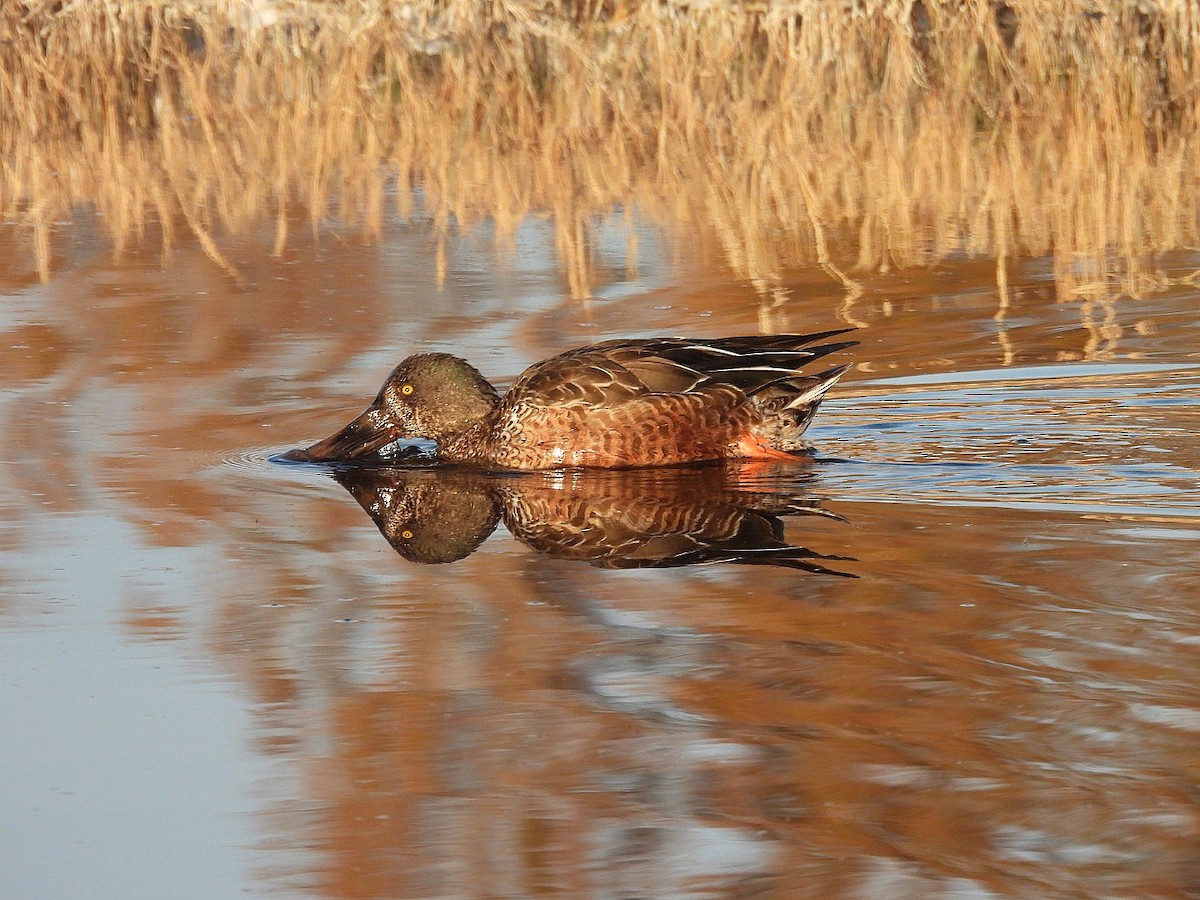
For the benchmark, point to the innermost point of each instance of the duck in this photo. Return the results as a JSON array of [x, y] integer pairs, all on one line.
[[625, 403]]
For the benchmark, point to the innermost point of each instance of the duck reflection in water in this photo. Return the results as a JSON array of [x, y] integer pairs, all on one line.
[[624, 519]]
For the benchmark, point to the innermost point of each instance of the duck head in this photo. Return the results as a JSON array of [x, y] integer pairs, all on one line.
[[430, 395]]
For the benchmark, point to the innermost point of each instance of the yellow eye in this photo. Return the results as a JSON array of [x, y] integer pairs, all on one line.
[[406, 534], [406, 390]]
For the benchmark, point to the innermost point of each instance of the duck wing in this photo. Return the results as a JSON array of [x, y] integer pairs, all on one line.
[[581, 377], [613, 372], [749, 362]]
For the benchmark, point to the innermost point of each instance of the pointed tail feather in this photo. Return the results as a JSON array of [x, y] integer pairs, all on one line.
[[786, 407], [815, 393]]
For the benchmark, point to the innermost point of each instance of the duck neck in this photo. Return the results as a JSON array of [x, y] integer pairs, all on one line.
[[467, 445]]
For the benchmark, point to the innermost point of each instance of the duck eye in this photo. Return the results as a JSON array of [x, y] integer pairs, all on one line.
[[406, 534], [406, 390]]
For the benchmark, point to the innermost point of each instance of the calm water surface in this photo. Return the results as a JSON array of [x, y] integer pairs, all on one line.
[[221, 676]]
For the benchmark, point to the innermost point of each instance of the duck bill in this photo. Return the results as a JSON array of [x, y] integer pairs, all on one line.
[[367, 434]]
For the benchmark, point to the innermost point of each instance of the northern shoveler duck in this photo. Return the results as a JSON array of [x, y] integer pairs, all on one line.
[[622, 403]]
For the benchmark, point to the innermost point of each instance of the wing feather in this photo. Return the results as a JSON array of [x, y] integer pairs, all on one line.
[[613, 372]]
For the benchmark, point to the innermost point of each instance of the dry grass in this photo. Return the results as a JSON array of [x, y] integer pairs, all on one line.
[[858, 135]]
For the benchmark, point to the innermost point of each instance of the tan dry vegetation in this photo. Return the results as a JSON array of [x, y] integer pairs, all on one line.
[[857, 135]]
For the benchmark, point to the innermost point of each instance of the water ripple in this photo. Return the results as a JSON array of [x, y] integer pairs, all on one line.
[[1105, 439]]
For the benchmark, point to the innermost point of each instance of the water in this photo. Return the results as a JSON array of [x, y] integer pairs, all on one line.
[[220, 675]]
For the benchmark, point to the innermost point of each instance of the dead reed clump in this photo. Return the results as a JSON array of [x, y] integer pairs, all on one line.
[[868, 134]]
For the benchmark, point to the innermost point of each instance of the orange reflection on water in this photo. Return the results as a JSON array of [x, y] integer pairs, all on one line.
[[524, 725], [1001, 702]]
